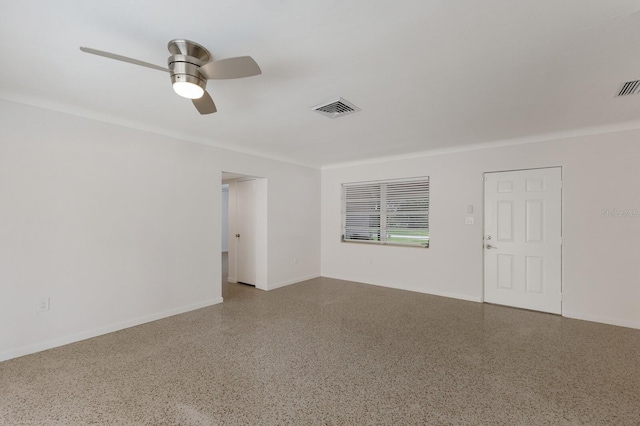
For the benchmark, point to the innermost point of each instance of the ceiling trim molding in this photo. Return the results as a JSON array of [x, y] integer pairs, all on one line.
[[117, 121], [540, 138]]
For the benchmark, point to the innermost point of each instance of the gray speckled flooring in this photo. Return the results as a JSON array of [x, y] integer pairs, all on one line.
[[334, 352]]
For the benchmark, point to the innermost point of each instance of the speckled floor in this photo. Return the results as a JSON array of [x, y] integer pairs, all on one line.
[[332, 352]]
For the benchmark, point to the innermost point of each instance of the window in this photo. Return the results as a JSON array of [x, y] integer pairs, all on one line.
[[386, 212]]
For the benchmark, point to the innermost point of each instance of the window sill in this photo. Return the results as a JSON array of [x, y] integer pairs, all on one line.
[[379, 243]]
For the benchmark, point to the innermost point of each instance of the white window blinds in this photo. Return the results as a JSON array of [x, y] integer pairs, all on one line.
[[387, 212]]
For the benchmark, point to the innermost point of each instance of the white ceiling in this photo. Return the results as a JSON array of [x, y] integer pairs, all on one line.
[[428, 74]]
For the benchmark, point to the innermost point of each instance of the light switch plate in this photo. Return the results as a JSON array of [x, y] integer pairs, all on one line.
[[43, 304]]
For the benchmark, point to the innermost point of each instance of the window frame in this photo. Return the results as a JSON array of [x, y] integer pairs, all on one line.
[[377, 229]]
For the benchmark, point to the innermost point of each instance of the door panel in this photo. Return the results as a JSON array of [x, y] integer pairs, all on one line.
[[246, 232], [523, 239]]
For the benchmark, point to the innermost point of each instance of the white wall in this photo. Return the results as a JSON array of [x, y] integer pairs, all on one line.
[[119, 226], [601, 255]]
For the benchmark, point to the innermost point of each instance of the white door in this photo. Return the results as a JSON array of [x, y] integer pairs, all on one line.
[[246, 224], [523, 239], [224, 236]]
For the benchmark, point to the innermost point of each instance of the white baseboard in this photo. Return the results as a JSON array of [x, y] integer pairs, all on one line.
[[458, 296], [65, 340], [231, 280], [294, 281], [477, 299], [604, 320]]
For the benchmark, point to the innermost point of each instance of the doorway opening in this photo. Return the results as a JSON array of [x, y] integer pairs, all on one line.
[[246, 229]]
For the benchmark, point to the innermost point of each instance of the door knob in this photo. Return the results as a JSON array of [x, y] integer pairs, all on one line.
[[237, 235], [489, 246]]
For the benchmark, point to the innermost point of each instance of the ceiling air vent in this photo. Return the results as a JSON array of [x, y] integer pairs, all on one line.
[[336, 108], [629, 88]]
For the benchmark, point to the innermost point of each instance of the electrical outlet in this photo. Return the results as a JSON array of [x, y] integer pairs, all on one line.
[[469, 220], [43, 304]]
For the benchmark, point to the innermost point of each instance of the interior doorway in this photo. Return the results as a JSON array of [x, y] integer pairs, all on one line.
[[523, 239], [246, 229]]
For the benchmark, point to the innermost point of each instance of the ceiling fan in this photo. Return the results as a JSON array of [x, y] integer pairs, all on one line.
[[190, 66]]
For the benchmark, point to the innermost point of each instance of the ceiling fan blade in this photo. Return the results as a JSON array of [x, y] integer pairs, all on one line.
[[240, 67], [205, 104], [122, 58]]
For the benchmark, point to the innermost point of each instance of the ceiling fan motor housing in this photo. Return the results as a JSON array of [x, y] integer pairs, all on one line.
[[185, 69], [187, 56]]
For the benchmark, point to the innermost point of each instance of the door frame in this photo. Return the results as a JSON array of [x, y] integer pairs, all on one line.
[[261, 231], [484, 200]]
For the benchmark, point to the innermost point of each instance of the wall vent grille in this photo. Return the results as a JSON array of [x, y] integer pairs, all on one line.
[[629, 88], [336, 108]]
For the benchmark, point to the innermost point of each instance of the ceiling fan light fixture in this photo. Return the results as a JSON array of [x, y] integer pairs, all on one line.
[[188, 90], [188, 86]]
